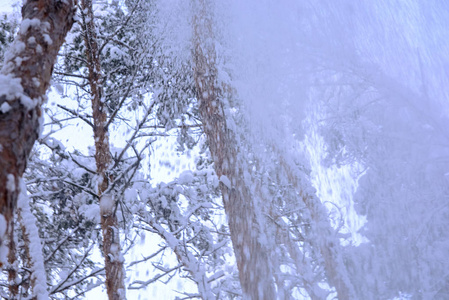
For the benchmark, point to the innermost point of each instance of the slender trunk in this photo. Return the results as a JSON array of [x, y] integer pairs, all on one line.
[[115, 273], [252, 255], [24, 80]]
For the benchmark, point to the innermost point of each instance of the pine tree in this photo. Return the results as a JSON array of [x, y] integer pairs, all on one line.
[[24, 83]]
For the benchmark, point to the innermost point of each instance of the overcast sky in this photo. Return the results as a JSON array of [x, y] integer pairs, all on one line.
[[6, 5]]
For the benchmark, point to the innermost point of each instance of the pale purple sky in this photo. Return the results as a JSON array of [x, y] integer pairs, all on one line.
[[6, 5]]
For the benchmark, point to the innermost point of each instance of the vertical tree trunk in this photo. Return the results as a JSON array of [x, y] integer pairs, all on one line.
[[115, 273], [256, 275], [24, 80], [252, 253]]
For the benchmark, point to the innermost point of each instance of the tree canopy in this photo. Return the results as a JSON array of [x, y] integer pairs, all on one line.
[[224, 150]]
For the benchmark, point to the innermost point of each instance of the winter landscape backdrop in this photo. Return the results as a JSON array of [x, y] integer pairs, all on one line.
[[231, 149]]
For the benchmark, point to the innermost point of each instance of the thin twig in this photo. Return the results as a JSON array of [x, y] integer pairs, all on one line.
[[76, 114]]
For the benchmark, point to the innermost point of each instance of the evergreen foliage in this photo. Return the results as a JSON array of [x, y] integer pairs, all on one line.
[[334, 151]]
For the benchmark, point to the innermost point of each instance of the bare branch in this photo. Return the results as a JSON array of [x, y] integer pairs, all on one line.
[[141, 284], [60, 244], [71, 75], [136, 131], [76, 114], [144, 259], [119, 106], [63, 285]]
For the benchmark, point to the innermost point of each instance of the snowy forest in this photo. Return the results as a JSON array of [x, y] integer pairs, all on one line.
[[201, 149]]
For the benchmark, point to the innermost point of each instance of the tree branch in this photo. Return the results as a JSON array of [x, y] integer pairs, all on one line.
[[76, 114]]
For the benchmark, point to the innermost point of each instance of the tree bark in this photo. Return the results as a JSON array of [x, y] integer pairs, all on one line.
[[115, 273], [24, 80], [244, 214], [252, 255]]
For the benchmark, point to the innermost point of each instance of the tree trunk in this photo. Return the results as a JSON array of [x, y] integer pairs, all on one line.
[[24, 80], [324, 238], [252, 252], [115, 273], [255, 272]]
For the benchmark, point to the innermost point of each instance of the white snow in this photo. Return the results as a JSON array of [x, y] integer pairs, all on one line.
[[3, 247], [47, 39], [2, 225], [55, 143], [373, 159], [11, 88], [27, 23], [90, 212], [13, 51], [45, 26], [107, 203], [185, 177], [18, 61], [5, 107], [10, 183], [225, 180], [31, 40], [28, 102], [36, 82], [115, 52], [28, 222]]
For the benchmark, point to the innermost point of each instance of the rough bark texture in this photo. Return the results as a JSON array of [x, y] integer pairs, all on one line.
[[256, 276], [253, 256], [30, 58], [13, 287], [115, 273]]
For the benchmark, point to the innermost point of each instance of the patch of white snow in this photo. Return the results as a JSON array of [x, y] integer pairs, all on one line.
[[10, 183], [28, 221], [5, 107], [106, 203], [225, 180]]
